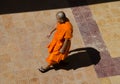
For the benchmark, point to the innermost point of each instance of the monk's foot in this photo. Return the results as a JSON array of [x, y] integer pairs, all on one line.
[[43, 70]]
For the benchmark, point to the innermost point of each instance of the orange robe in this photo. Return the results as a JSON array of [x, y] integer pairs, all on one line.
[[63, 31]]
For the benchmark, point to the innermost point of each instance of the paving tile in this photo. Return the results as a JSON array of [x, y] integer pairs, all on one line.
[[111, 44], [86, 35], [84, 10], [68, 76], [22, 74], [58, 78], [18, 21], [5, 63], [8, 22], [5, 59], [70, 82], [100, 71], [97, 10], [45, 80], [115, 4], [79, 75], [117, 65], [82, 82], [115, 79], [24, 81], [115, 11], [117, 20], [7, 78], [3, 68], [34, 81], [4, 38], [110, 71], [90, 74], [105, 80], [79, 17]]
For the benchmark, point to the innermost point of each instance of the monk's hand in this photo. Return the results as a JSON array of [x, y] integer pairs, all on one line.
[[48, 36], [62, 51]]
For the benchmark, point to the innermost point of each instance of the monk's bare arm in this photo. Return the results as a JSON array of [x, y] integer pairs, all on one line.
[[51, 31], [65, 45]]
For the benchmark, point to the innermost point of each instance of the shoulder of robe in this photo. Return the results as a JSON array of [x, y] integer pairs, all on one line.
[[68, 26]]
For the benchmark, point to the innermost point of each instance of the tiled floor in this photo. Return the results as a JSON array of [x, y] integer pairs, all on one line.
[[23, 46]]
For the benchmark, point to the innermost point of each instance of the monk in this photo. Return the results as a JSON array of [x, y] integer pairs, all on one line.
[[59, 46]]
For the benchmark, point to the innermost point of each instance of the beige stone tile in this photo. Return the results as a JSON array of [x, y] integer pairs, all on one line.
[[107, 21], [112, 41], [13, 46], [115, 12], [79, 75], [20, 61], [1, 22], [81, 78], [3, 50], [45, 80], [7, 21], [101, 22], [34, 81], [106, 16], [5, 59], [68, 75], [70, 82], [7, 78], [33, 64], [115, 79], [82, 82], [22, 74], [48, 17], [18, 65], [118, 19], [29, 22], [105, 80], [115, 4], [57, 78], [5, 63], [90, 74], [7, 82], [98, 12], [18, 20], [4, 39], [24, 81], [34, 73], [3, 68], [9, 75]]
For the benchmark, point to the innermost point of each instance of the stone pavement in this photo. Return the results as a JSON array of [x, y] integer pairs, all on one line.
[[23, 45]]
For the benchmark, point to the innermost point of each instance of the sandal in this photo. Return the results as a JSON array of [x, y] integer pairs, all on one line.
[[43, 70]]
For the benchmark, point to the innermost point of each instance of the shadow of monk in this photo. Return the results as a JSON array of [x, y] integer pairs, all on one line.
[[81, 57]]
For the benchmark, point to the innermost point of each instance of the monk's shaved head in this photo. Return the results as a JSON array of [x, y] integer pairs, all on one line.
[[61, 15]]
